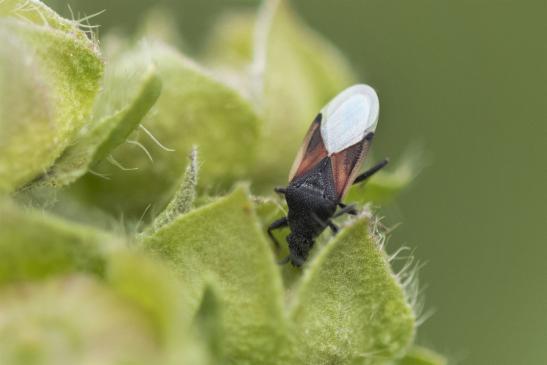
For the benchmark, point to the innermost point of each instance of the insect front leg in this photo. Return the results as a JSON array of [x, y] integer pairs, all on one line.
[[346, 209], [280, 190], [280, 223], [374, 169]]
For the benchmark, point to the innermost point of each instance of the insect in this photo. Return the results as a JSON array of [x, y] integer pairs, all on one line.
[[327, 164]]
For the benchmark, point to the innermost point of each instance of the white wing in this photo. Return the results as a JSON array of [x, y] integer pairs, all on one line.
[[349, 117]]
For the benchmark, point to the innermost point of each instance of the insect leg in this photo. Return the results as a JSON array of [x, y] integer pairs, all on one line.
[[280, 190], [374, 169], [284, 260], [282, 222], [334, 228], [346, 209], [294, 260]]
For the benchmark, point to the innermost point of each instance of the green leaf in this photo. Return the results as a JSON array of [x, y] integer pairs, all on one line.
[[270, 209], [72, 320], [34, 245], [222, 243], [150, 286], [35, 12], [114, 123], [193, 109], [208, 326], [421, 356], [184, 197], [49, 76], [350, 307], [25, 98]]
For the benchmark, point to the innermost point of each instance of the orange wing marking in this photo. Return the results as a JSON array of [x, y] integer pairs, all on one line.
[[346, 165], [312, 151]]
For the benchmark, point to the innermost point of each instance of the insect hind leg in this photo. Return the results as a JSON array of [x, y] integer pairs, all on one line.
[[374, 169], [280, 223]]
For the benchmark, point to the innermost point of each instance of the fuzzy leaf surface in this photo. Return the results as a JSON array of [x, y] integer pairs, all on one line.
[[183, 199], [150, 286], [62, 69], [350, 307], [221, 243], [147, 283], [194, 108], [34, 245], [109, 131]]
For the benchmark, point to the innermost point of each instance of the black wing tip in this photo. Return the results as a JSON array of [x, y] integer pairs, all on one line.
[[318, 118]]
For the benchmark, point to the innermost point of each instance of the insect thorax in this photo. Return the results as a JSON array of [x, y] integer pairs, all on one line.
[[309, 209]]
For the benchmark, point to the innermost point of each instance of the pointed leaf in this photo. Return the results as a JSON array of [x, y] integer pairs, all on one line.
[[184, 197], [222, 243], [193, 109], [109, 132], [350, 307]]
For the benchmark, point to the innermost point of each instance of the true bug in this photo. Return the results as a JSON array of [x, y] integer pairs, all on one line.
[[327, 164]]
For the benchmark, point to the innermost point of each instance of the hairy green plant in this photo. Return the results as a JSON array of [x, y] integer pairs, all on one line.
[[188, 276], [49, 76]]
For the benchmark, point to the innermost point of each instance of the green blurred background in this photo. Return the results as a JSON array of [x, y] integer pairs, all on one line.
[[467, 80]]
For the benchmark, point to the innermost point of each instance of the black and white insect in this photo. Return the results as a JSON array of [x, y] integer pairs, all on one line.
[[326, 166]]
